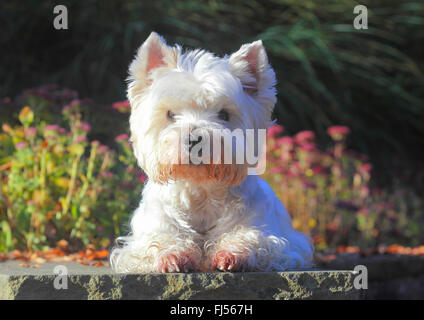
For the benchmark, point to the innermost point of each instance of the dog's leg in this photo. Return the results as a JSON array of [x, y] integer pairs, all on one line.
[[156, 252], [183, 260], [250, 249], [234, 250], [229, 260]]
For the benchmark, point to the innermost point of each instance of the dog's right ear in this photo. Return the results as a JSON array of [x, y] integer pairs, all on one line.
[[153, 55]]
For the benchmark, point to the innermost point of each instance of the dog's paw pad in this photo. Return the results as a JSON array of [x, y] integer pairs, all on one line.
[[227, 261], [173, 262]]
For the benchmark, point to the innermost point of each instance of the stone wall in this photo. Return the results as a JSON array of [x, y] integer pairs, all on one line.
[[100, 283], [390, 277]]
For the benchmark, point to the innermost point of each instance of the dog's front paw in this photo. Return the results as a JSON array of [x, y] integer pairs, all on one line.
[[176, 262], [225, 260]]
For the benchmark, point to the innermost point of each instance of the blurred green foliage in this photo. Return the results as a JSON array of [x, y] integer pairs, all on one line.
[[57, 184], [328, 72]]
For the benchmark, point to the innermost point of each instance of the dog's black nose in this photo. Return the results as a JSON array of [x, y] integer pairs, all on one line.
[[193, 142]]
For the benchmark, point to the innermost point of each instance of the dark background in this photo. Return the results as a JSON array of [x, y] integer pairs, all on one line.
[[328, 73]]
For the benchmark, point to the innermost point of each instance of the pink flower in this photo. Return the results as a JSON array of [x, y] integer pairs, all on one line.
[[127, 184], [20, 145], [304, 137], [296, 164], [51, 127], [318, 170], [85, 126], [102, 149], [80, 139], [122, 106], [338, 132], [122, 137], [364, 191], [363, 212], [276, 170], [307, 146], [285, 141], [107, 174], [275, 131], [30, 132], [365, 167], [142, 178], [291, 174]]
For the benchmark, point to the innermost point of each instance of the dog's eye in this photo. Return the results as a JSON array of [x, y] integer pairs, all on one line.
[[170, 115], [224, 115]]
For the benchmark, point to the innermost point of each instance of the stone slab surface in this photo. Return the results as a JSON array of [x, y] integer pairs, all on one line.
[[84, 282]]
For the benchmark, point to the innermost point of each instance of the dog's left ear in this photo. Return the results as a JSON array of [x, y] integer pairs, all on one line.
[[250, 64]]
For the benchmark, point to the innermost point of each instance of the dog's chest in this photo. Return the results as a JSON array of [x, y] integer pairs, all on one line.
[[205, 220], [202, 210]]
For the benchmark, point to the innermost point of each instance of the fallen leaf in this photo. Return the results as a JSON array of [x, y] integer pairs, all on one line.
[[63, 244]]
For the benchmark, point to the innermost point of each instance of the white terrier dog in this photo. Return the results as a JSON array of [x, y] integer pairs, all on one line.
[[203, 217]]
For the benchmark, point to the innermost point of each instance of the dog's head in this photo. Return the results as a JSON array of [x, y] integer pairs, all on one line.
[[185, 102]]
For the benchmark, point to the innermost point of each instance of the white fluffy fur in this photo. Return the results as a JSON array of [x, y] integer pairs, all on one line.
[[185, 224]]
